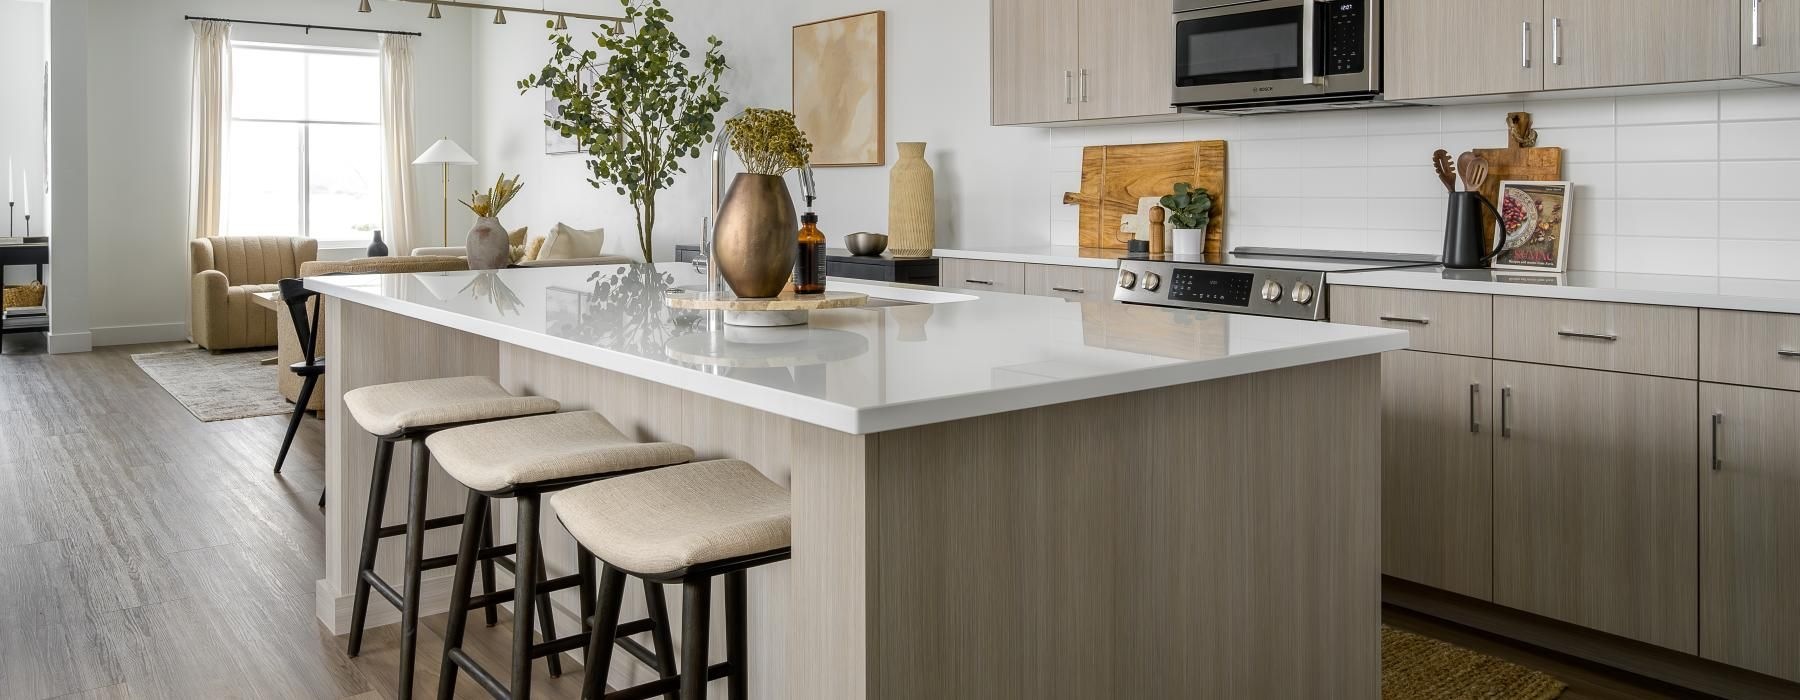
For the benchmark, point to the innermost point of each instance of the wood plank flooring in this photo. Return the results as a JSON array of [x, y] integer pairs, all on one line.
[[145, 554]]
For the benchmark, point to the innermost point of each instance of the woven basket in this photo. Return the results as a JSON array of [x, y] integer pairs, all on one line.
[[23, 295]]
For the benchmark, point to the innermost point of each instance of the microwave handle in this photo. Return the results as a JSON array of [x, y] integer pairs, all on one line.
[[1308, 25]]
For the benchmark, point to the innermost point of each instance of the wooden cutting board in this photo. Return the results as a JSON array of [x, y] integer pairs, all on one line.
[[1114, 177], [1518, 161]]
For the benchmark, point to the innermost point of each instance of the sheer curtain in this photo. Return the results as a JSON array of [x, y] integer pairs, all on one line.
[[399, 208], [211, 116]]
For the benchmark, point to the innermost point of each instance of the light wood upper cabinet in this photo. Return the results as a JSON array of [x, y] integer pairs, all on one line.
[[1128, 54], [1064, 60], [1035, 61], [1437, 471], [1770, 42], [1750, 529], [1595, 500], [1446, 48], [1605, 43]]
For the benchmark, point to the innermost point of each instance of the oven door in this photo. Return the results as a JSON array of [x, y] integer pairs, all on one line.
[[1289, 50]]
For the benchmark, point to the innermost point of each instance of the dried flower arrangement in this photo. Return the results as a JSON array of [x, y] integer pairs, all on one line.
[[490, 203], [768, 141]]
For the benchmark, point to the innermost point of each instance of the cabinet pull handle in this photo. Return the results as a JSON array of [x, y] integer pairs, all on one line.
[[1084, 81], [1505, 414], [1068, 87], [1474, 396], [1788, 353], [1070, 290], [986, 282], [1556, 41], [1608, 337], [1403, 319], [1718, 418], [1525, 44], [1756, 38]]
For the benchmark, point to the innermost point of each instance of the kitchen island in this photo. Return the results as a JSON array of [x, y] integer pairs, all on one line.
[[994, 495]]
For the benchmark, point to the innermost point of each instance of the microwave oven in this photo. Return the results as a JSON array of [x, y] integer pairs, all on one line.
[[1276, 55]]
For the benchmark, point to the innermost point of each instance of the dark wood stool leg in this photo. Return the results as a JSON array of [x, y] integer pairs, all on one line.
[[600, 638], [547, 615], [584, 568], [306, 390], [416, 498], [524, 595], [492, 610], [663, 641], [378, 485], [737, 644], [474, 537], [696, 611]]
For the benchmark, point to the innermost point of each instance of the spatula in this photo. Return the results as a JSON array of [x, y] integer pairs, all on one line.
[[1446, 172]]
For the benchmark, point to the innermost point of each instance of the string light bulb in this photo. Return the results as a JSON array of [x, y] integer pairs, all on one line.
[[435, 13], [364, 7], [499, 16]]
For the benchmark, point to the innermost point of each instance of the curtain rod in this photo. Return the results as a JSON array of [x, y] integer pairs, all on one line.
[[307, 27]]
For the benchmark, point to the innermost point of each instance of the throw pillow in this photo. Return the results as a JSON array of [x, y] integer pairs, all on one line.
[[565, 243]]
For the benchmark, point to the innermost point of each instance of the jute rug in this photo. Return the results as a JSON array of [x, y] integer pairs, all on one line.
[[1415, 667], [217, 387]]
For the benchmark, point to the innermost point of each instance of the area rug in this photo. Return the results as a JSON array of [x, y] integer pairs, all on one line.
[[217, 387], [1415, 667]]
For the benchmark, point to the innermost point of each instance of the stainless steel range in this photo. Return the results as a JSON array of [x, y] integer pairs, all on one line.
[[1285, 283]]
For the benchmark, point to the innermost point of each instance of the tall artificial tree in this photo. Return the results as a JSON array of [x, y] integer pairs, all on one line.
[[635, 105]]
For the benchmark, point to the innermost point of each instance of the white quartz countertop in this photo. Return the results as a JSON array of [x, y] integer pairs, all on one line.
[[895, 365], [1780, 296], [1040, 255]]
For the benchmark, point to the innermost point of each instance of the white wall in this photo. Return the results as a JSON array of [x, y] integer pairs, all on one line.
[[22, 137], [139, 55], [989, 180]]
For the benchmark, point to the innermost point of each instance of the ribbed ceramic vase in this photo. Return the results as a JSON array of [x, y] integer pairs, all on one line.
[[487, 247], [756, 238], [912, 209]]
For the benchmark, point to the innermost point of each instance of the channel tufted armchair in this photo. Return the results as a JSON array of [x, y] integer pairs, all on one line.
[[227, 270]]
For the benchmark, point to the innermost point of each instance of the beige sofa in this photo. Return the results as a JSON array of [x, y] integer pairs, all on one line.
[[226, 271], [290, 351]]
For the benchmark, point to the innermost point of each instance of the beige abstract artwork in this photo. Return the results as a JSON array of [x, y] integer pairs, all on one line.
[[839, 86]]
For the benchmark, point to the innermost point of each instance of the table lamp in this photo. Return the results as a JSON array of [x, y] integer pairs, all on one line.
[[446, 153]]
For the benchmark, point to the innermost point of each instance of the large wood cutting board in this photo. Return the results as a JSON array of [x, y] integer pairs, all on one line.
[[1114, 177], [1542, 164]]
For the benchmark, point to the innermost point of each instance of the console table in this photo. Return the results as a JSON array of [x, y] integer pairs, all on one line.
[[33, 319]]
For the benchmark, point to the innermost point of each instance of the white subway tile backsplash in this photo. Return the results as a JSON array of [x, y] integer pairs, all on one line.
[[1269, 153], [1560, 113], [1066, 159], [1777, 220], [1668, 180], [1403, 149], [1406, 120], [1426, 214], [1168, 132], [1668, 256], [1593, 180], [1413, 180], [1265, 236], [1262, 182], [1405, 241], [1772, 103], [1593, 217], [1668, 109], [1065, 232], [1593, 144], [1335, 182], [1669, 218], [1760, 179], [1759, 140], [1478, 116], [1335, 152], [1668, 142], [1598, 253], [1335, 238], [1778, 260], [1264, 211], [1324, 212]]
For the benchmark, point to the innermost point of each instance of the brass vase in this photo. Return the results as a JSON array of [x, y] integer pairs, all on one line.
[[757, 236]]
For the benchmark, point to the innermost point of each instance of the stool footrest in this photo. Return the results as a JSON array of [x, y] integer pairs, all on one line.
[[393, 597], [430, 524], [664, 686], [507, 595], [486, 680]]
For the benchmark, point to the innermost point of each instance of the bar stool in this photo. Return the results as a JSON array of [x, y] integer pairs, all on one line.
[[413, 411], [683, 524], [525, 459]]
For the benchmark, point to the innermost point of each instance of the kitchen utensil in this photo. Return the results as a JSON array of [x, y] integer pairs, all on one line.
[[1465, 240], [866, 244], [1114, 178], [1440, 161], [1474, 172]]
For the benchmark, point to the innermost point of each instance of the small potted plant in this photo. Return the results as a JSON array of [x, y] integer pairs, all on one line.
[[755, 239], [1189, 210], [488, 247]]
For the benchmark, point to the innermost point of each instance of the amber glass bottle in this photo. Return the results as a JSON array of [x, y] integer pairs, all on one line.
[[809, 265]]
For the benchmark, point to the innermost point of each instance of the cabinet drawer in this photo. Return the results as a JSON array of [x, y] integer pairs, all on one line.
[[1755, 349], [984, 275], [1461, 324], [1070, 282], [1658, 340]]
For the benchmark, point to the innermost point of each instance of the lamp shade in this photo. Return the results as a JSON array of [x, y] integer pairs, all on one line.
[[445, 152]]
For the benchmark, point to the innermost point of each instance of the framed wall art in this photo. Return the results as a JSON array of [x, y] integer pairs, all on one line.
[[840, 77]]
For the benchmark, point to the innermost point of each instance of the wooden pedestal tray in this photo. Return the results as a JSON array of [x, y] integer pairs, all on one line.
[[789, 309]]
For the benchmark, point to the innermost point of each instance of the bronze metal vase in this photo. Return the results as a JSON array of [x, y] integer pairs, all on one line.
[[757, 236]]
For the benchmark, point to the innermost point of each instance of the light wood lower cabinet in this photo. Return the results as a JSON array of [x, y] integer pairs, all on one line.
[[1437, 471], [1750, 528], [1070, 282], [982, 275], [1595, 515]]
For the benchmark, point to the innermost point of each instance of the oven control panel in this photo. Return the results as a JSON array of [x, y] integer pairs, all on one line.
[[1262, 291]]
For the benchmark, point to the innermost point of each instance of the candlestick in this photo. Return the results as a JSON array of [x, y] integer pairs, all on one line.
[[9, 181], [27, 225], [9, 219], [27, 178]]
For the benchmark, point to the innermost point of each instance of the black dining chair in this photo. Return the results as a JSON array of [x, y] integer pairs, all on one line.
[[311, 367]]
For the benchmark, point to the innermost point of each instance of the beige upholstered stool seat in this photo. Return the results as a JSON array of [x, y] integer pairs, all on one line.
[[667, 520], [387, 409], [496, 456]]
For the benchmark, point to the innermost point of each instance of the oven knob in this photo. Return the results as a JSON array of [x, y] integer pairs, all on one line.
[[1152, 281], [1272, 292], [1127, 279], [1303, 293]]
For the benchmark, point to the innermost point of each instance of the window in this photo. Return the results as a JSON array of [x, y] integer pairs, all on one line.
[[303, 157]]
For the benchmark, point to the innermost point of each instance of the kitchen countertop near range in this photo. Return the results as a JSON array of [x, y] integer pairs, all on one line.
[[1737, 294], [1073, 256]]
